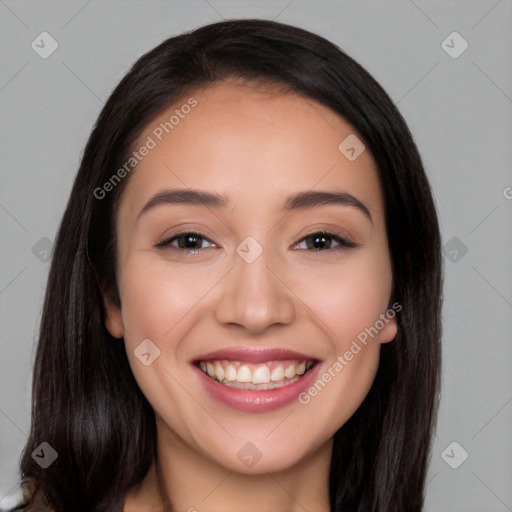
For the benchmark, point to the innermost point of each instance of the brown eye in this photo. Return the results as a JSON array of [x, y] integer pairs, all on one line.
[[188, 241], [321, 241]]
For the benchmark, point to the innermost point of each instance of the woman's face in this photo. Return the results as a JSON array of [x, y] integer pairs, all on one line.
[[252, 247]]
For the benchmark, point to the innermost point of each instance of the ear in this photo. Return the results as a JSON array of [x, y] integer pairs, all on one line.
[[113, 318], [390, 328]]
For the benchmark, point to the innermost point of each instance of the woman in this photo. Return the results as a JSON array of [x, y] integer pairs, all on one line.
[[243, 307]]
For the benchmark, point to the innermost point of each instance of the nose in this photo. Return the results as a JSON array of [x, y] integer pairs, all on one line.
[[255, 296]]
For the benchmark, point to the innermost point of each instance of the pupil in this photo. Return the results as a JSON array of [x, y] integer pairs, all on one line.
[[190, 241], [319, 241]]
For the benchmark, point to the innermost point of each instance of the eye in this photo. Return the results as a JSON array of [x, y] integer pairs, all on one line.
[[188, 241], [322, 241]]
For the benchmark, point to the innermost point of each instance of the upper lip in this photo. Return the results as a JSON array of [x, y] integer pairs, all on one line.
[[253, 355]]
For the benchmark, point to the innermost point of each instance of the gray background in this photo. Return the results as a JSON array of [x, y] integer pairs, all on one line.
[[459, 110]]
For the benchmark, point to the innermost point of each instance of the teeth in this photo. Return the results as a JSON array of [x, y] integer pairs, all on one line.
[[277, 374], [219, 371], [231, 373], [261, 375], [266, 375], [244, 374], [290, 372]]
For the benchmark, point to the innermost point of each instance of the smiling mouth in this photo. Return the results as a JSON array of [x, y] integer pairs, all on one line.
[[258, 377]]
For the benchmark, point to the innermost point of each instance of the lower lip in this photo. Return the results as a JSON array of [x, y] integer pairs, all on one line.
[[256, 400]]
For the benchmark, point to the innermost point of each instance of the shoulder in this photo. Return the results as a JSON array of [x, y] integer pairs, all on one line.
[[27, 496]]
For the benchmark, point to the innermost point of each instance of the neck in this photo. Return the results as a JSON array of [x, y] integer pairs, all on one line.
[[188, 481]]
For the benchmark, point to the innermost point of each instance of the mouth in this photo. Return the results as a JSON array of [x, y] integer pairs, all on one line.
[[256, 376], [256, 380]]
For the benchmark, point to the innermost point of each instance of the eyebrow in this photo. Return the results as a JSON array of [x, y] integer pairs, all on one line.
[[300, 201]]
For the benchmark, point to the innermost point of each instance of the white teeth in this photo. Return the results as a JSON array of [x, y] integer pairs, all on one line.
[[234, 372], [277, 374], [289, 372], [231, 373], [261, 375], [219, 371], [210, 369], [244, 374]]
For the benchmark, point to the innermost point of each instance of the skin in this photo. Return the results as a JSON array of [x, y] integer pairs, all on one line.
[[256, 146]]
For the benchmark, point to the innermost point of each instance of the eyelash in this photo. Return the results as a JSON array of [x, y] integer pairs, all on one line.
[[344, 243]]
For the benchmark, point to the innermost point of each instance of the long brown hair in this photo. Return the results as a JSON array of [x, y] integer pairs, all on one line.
[[86, 402]]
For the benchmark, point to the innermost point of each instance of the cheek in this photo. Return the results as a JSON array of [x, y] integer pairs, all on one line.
[[349, 301], [347, 298], [157, 296], [160, 303]]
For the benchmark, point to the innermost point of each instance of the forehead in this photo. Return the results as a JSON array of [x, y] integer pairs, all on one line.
[[255, 144]]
